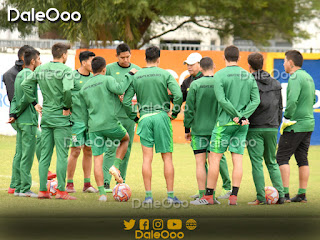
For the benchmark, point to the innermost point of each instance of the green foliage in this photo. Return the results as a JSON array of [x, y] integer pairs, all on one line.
[[130, 20]]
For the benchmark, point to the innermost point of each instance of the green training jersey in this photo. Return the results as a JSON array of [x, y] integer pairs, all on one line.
[[150, 85], [201, 107], [98, 97], [300, 100], [24, 111], [55, 80], [118, 72], [237, 93], [79, 81]]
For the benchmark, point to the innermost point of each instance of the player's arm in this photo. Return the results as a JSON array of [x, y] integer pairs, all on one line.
[[226, 105], [119, 88], [130, 109], [189, 109], [254, 101], [84, 109], [9, 85], [280, 107], [177, 95], [293, 92], [29, 87], [68, 85]]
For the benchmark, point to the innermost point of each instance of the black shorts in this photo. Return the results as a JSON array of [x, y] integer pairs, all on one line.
[[294, 143]]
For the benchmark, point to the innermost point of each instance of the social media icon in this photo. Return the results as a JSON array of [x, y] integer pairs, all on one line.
[[157, 224], [129, 225], [144, 224], [174, 224]]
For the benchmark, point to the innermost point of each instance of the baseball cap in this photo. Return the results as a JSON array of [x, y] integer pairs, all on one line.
[[193, 58]]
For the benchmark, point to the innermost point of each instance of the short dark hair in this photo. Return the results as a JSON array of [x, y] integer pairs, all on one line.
[[152, 54], [206, 63], [123, 47], [295, 56], [255, 60], [59, 49], [30, 54], [22, 50], [98, 64], [231, 53], [85, 55]]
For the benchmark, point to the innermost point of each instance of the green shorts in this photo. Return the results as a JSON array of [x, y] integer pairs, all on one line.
[[233, 136], [156, 129], [102, 140], [200, 143], [80, 135]]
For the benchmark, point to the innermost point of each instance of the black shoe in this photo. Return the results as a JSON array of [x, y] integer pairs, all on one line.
[[281, 200], [287, 198], [299, 198], [107, 187]]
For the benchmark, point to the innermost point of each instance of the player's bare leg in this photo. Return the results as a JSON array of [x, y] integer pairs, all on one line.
[[147, 153], [98, 174], [86, 166], [72, 163]]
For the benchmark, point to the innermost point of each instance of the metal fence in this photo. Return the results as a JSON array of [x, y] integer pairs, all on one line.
[[47, 44]]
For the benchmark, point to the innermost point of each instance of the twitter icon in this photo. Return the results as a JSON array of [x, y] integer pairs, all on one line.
[[129, 225]]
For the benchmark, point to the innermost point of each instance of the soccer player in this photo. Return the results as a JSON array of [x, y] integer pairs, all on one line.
[[150, 84], [25, 116], [201, 118], [98, 98], [80, 136], [238, 96], [9, 79], [118, 71], [263, 130], [297, 124], [56, 81]]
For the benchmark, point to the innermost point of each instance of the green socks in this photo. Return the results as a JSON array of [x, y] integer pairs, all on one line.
[[101, 190], [302, 191], [286, 190], [201, 193], [170, 194], [70, 181], [86, 180], [117, 162], [148, 194]]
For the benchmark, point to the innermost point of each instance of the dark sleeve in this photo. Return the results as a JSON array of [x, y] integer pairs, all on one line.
[[280, 108], [184, 90], [8, 80]]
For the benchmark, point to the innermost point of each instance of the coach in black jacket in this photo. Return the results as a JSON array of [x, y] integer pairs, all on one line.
[[263, 130]]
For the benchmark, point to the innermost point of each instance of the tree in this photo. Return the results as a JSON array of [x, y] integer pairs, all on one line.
[[131, 20]]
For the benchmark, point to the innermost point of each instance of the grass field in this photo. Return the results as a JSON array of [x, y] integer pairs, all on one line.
[[87, 205]]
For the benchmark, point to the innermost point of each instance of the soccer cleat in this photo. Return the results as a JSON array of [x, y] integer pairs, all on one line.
[[148, 200], [51, 175], [299, 198], [44, 195], [205, 200], [70, 188], [116, 173], [16, 194], [28, 194], [257, 202], [287, 198], [107, 188], [216, 201], [281, 200], [232, 200], [195, 196], [11, 190], [103, 198], [225, 194], [89, 189], [174, 200], [64, 195]]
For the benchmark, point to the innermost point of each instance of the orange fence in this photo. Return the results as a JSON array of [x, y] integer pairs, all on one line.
[[173, 61]]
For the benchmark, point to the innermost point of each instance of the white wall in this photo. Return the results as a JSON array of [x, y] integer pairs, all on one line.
[[6, 62]]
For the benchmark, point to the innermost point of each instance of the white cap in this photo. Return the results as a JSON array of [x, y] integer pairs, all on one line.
[[193, 58]]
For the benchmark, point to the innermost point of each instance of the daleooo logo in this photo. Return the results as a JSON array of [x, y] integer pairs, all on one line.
[[52, 15]]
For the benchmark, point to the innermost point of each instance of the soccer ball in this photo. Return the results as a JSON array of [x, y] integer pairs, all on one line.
[[52, 187], [121, 192], [272, 195]]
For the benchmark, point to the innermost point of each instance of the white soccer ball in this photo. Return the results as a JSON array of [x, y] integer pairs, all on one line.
[[272, 195], [121, 192]]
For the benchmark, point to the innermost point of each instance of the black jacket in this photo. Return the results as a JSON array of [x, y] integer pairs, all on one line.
[[269, 112], [10, 76], [186, 84]]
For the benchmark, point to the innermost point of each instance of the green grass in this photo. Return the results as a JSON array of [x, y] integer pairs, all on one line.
[[185, 185]]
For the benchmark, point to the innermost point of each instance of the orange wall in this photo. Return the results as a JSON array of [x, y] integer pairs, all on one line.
[[169, 60]]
